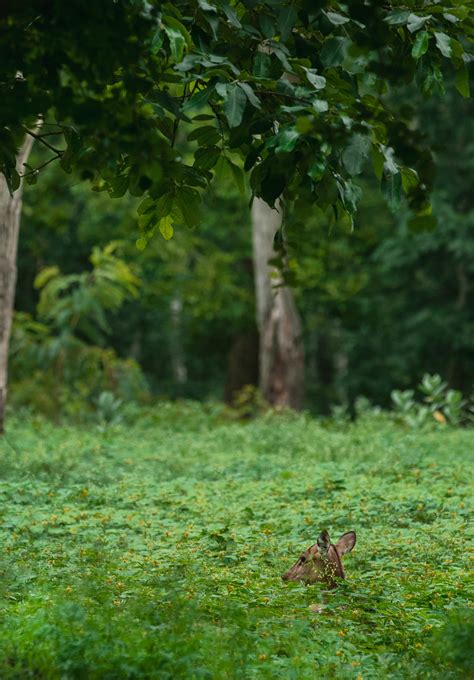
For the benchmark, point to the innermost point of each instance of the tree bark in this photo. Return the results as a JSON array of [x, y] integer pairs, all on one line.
[[10, 213], [178, 359], [242, 364], [281, 354]]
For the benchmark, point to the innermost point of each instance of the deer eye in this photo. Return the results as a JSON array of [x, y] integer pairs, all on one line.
[[302, 559]]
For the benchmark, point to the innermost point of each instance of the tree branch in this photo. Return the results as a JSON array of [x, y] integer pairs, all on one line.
[[43, 165], [43, 141]]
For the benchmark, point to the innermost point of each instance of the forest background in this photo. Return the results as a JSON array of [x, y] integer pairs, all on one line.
[[381, 305], [156, 475]]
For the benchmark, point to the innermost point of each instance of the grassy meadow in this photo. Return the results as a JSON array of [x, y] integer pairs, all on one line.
[[154, 548]]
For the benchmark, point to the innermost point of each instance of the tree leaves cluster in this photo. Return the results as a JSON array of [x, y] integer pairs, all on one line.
[[78, 303], [293, 92], [59, 362]]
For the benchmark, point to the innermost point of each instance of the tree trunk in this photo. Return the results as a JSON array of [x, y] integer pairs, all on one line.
[[178, 360], [242, 364], [281, 354], [10, 213]]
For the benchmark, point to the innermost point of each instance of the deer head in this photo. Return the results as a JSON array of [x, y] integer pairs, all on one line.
[[322, 562]]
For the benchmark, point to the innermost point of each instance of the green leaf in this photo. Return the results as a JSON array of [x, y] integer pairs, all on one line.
[[462, 81], [206, 6], [286, 21], [392, 190], [221, 89], [202, 116], [46, 275], [168, 103], [415, 22], [163, 206], [410, 179], [157, 41], [287, 140], [355, 154], [145, 220], [422, 223], [420, 46], [252, 157], [200, 132], [250, 94], [118, 186], [206, 157], [267, 25], [190, 62], [390, 166], [231, 15], [460, 13], [32, 177], [12, 178], [304, 125], [272, 186], [237, 174], [378, 161], [349, 194], [317, 169], [318, 82], [177, 25], [344, 218], [177, 42], [457, 49], [282, 53], [145, 206], [320, 105], [262, 65], [450, 17], [397, 16], [443, 43], [166, 227], [189, 202], [337, 19], [333, 51], [234, 105]]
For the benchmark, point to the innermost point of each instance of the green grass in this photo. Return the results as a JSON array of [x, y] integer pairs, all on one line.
[[154, 550]]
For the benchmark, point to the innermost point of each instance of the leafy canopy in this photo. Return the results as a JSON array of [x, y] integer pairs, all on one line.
[[295, 92]]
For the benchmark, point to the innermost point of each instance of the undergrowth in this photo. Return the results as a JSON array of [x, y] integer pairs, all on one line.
[[155, 550]]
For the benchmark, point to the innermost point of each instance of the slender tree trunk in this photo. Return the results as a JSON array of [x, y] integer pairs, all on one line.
[[178, 360], [10, 213], [281, 354]]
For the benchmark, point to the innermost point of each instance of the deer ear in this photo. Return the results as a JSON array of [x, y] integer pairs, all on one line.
[[346, 543], [324, 542]]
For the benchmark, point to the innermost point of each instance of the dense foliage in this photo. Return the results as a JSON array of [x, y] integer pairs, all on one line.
[[155, 549], [150, 542], [381, 305], [57, 356], [207, 272], [293, 90]]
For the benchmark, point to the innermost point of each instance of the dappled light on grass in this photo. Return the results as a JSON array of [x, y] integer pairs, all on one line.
[[156, 550]]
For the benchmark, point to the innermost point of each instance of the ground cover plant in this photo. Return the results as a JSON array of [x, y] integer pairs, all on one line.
[[154, 548]]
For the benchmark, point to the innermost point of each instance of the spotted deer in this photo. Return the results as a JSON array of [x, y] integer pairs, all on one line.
[[322, 562]]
